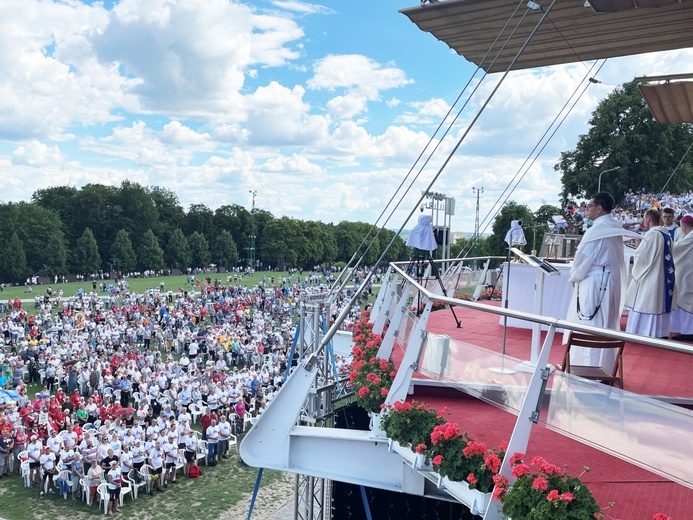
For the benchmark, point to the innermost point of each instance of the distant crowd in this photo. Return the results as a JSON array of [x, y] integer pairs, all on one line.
[[124, 376]]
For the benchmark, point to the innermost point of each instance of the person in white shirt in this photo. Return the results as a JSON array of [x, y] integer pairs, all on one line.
[[213, 443], [47, 461], [224, 436], [34, 450], [190, 449], [156, 461], [114, 478], [170, 449]]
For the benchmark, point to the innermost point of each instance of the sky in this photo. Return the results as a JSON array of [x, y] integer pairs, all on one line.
[[320, 109]]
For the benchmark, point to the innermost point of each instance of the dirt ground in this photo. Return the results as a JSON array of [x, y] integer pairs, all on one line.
[[274, 502]]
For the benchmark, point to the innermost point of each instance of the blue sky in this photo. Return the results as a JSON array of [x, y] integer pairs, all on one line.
[[320, 107]]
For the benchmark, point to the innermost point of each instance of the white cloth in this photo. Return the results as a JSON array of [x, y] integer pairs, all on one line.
[[682, 321], [646, 289], [598, 274], [515, 236], [422, 237]]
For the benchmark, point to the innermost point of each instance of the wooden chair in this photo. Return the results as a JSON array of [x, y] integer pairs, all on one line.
[[596, 373]]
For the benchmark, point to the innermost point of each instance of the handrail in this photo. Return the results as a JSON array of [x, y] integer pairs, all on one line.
[[548, 321]]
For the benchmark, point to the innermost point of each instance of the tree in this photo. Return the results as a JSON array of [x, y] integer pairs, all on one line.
[[171, 213], [122, 253], [201, 219], [138, 213], [178, 251], [224, 250], [199, 249], [511, 211], [150, 255], [465, 247], [85, 255], [13, 265], [623, 133], [40, 231]]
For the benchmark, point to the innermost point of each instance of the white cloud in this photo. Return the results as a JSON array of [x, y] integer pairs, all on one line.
[[302, 7], [35, 153]]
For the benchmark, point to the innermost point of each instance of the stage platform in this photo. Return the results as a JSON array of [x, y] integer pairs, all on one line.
[[636, 492]]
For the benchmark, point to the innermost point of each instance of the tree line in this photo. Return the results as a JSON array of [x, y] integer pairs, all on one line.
[[67, 230]]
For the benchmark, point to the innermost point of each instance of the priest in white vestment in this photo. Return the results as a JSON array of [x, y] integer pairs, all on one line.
[[650, 296], [598, 274], [682, 315]]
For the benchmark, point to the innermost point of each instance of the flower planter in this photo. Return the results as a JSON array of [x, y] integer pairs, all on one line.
[[374, 425], [416, 460], [473, 498]]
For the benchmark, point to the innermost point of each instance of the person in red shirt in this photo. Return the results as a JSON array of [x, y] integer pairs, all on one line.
[[75, 398]]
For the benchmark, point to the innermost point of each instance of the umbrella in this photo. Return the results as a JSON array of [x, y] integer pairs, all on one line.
[[122, 411]]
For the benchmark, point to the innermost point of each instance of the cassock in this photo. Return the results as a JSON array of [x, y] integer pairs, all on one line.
[[650, 296], [598, 273], [682, 316]]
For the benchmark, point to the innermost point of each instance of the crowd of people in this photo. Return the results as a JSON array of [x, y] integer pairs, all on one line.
[[124, 376], [632, 214]]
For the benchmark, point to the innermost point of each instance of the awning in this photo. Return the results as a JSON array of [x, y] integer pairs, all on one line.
[[669, 97], [575, 30]]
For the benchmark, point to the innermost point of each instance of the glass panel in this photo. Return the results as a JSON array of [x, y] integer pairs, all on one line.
[[647, 432], [480, 372], [406, 328]]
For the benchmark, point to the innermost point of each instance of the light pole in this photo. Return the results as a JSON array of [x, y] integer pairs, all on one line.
[[475, 239], [251, 260], [599, 184]]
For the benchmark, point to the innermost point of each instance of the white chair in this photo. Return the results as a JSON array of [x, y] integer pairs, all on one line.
[[202, 451], [233, 442], [102, 491], [136, 485], [247, 419], [180, 463], [85, 490], [26, 472], [137, 397], [195, 412], [125, 488], [145, 471], [66, 476]]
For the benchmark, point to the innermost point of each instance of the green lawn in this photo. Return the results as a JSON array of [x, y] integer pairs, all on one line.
[[218, 489], [139, 285]]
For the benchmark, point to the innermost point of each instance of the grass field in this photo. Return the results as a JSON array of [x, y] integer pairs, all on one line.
[[218, 489], [139, 285]]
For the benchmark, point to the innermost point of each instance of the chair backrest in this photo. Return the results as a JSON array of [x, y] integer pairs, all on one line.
[[102, 490], [202, 447], [592, 341]]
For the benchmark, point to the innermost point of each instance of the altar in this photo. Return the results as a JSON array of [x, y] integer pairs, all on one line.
[[519, 280]]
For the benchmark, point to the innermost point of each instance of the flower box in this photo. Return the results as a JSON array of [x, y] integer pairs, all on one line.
[[416, 460], [473, 498]]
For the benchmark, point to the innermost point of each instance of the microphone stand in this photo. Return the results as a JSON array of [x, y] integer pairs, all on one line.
[[506, 290]]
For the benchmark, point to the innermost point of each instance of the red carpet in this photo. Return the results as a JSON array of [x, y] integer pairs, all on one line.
[[637, 493]]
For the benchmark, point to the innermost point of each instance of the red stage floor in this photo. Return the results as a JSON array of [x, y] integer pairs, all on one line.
[[637, 493]]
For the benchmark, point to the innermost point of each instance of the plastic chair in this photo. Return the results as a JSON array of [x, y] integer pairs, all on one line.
[[136, 485], [26, 472], [202, 451], [595, 373], [195, 412], [125, 488], [85, 490], [233, 442], [67, 477], [247, 419], [145, 471], [102, 491]]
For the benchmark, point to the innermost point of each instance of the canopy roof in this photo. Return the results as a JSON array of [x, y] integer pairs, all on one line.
[[670, 100], [576, 30]]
